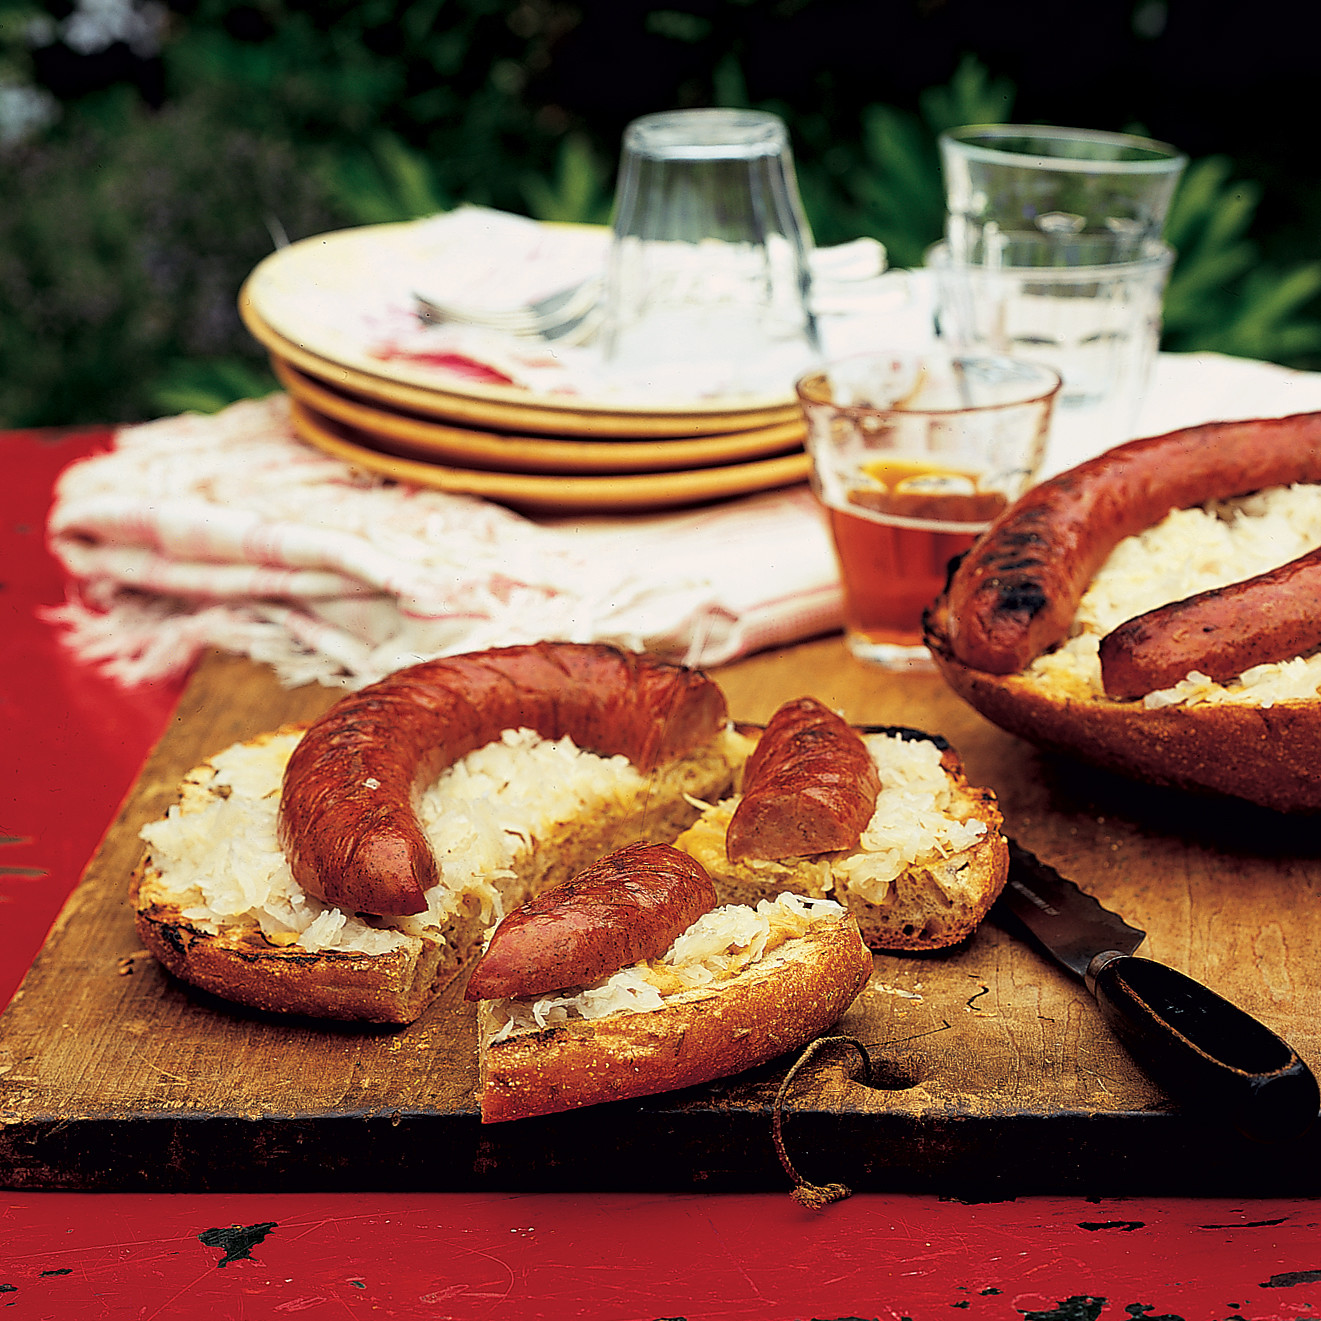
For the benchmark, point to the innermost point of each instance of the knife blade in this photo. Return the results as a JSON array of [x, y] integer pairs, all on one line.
[[1204, 1051]]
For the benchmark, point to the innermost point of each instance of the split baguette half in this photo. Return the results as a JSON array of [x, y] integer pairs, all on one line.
[[1252, 738], [1262, 755]]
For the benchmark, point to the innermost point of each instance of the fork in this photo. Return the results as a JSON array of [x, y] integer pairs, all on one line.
[[572, 315]]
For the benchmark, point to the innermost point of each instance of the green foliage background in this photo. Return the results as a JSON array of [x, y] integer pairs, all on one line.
[[130, 221]]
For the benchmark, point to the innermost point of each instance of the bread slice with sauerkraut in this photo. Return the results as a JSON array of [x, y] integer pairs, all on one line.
[[1253, 737], [741, 986], [216, 903], [930, 863]]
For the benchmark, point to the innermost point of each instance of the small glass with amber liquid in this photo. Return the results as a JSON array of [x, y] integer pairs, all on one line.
[[908, 484], [895, 538]]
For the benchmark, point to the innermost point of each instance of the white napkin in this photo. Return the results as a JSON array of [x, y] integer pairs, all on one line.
[[354, 299], [230, 532]]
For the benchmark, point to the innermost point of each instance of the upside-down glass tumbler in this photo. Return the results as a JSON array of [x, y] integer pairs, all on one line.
[[708, 281]]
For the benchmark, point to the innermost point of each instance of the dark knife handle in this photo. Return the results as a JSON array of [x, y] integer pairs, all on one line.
[[1203, 1050]]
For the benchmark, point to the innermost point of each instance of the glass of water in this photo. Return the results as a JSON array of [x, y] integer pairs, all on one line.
[[1053, 253], [1097, 325], [1020, 195]]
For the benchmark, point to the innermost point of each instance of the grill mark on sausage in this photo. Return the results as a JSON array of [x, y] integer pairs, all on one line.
[[1001, 617]]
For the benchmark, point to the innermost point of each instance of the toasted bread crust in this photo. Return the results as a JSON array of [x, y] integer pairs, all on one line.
[[239, 965], [934, 903], [773, 1007], [1262, 755], [938, 902]]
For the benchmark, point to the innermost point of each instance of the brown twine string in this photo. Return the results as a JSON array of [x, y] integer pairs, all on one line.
[[813, 1196]]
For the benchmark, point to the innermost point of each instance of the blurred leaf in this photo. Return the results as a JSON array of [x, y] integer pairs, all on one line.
[[729, 84], [1220, 297], [1266, 324], [972, 96], [389, 182], [578, 192], [898, 186], [1196, 277], [208, 385], [678, 26], [1194, 198], [1280, 296], [135, 235]]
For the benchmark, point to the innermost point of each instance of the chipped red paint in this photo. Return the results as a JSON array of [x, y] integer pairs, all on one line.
[[73, 739], [74, 742], [237, 1241], [620, 1258]]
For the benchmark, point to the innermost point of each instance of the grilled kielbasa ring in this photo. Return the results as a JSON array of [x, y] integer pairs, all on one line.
[[348, 822], [1015, 593]]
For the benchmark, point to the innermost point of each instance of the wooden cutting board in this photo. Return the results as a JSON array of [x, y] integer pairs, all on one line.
[[997, 1075]]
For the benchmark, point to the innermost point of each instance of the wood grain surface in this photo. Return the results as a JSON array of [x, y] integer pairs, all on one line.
[[996, 1075]]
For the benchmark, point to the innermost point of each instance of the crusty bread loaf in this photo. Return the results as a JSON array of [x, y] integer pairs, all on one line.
[[215, 903], [928, 868], [1252, 738], [775, 1004]]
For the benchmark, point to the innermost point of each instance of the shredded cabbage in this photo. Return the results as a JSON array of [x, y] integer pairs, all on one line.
[[716, 948], [220, 850], [1191, 551]]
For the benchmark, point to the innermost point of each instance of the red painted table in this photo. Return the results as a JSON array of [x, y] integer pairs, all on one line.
[[73, 743]]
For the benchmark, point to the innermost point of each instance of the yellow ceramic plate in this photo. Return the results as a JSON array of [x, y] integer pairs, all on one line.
[[527, 413], [552, 493], [409, 436]]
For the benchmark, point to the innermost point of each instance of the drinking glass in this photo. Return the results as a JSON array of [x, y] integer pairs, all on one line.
[[1059, 196], [1053, 253], [1097, 325], [912, 456], [708, 281]]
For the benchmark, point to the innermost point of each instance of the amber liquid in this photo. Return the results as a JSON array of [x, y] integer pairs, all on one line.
[[894, 546], [891, 574]]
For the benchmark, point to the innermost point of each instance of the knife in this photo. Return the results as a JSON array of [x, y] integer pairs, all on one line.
[[1203, 1050]]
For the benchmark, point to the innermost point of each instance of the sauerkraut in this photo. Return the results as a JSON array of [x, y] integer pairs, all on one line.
[[219, 850], [1190, 551], [918, 820], [717, 947]]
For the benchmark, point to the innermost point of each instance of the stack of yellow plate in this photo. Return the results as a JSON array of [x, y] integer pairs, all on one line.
[[544, 453]]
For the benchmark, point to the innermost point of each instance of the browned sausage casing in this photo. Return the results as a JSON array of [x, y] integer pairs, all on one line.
[[627, 907], [348, 822], [810, 786], [1219, 633], [1016, 591]]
